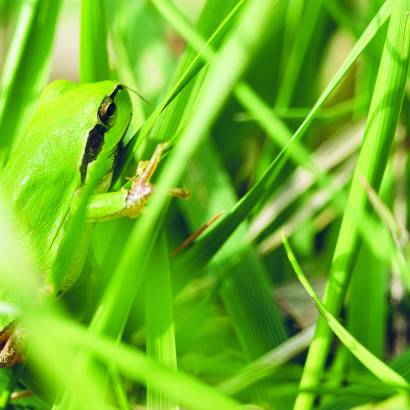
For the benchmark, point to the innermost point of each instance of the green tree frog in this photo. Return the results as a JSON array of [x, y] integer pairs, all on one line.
[[74, 138]]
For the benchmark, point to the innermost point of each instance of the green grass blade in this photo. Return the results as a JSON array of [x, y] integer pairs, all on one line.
[[190, 70], [21, 282], [256, 321], [297, 53], [218, 84], [268, 363], [247, 298], [159, 321], [133, 363], [330, 154], [386, 374], [26, 68], [93, 42], [211, 242], [381, 125], [351, 397]]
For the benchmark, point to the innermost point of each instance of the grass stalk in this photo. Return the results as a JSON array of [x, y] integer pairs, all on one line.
[[381, 125]]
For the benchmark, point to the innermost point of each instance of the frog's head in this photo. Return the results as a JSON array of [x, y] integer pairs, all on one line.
[[104, 140]]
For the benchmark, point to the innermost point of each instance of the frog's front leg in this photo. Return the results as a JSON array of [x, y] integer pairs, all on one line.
[[130, 202]]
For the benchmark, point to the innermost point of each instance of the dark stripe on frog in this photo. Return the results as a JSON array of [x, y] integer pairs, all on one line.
[[114, 93], [95, 142]]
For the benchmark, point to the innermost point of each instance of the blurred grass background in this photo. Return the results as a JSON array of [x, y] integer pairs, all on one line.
[[268, 122]]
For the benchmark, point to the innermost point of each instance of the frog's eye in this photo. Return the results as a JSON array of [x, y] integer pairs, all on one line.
[[107, 112]]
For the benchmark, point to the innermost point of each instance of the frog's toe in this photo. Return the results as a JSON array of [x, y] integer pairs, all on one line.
[[10, 351]]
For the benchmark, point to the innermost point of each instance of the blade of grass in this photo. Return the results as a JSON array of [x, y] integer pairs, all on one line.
[[297, 53], [211, 242], [268, 363], [383, 115], [125, 69], [247, 298], [240, 46], [328, 155], [26, 68], [313, 203], [133, 363], [19, 278], [93, 42], [218, 84], [194, 67], [257, 322], [119, 390], [352, 398], [385, 373], [159, 321]]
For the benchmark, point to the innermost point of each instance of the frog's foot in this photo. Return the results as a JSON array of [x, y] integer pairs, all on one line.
[[182, 193], [10, 346], [141, 188]]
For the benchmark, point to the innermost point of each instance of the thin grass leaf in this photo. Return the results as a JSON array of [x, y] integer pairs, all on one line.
[[371, 362], [134, 364], [93, 42], [256, 321], [159, 321], [328, 155], [26, 68], [297, 53], [11, 386], [190, 71], [217, 86], [120, 293], [211, 242], [382, 120], [119, 389], [311, 205], [20, 280], [125, 69], [268, 363], [353, 396]]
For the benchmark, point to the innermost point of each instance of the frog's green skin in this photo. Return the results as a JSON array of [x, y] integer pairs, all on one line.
[[64, 145], [73, 141]]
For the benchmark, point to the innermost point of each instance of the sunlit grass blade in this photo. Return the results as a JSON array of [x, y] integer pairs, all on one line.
[[247, 298], [382, 120], [353, 396], [313, 203], [373, 364], [196, 42], [327, 156], [93, 42], [257, 323], [192, 67], [217, 86], [19, 278], [159, 321], [124, 69], [26, 68], [135, 365], [399, 234], [297, 53], [93, 67], [211, 242], [268, 363]]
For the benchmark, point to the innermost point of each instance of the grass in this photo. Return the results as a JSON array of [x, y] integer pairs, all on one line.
[[257, 129]]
